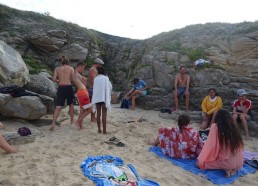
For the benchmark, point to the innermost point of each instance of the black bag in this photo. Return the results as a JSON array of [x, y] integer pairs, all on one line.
[[125, 103], [24, 131]]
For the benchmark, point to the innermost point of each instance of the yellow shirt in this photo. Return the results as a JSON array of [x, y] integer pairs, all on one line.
[[209, 105]]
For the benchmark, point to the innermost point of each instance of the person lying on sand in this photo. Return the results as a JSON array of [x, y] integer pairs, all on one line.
[[5, 145]]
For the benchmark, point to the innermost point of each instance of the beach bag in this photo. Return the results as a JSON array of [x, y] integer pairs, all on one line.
[[24, 131], [125, 103]]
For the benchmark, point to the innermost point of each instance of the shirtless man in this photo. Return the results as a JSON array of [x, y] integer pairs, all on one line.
[[181, 85], [92, 74], [82, 94], [63, 76]]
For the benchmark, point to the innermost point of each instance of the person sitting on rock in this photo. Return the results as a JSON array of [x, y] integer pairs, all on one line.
[[210, 106], [242, 110], [139, 89], [5, 145]]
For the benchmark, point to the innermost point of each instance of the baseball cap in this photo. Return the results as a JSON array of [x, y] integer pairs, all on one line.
[[98, 61], [241, 92], [135, 80]]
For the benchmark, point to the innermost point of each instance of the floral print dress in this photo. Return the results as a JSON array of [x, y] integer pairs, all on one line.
[[176, 144]]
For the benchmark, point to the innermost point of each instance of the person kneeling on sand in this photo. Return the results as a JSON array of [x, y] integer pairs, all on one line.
[[224, 146], [179, 142], [82, 94], [5, 145]]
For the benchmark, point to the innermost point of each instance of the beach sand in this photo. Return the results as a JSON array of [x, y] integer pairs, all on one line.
[[54, 158]]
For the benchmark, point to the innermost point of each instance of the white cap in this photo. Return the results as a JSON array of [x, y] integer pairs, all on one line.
[[98, 61], [241, 92]]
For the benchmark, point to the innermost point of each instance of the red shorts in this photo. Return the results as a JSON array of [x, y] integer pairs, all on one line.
[[83, 97]]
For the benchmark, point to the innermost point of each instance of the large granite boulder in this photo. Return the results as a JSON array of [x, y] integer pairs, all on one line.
[[41, 85], [13, 70], [47, 42], [26, 107]]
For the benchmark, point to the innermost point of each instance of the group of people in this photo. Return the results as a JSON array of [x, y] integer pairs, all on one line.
[[96, 98], [212, 103], [223, 148]]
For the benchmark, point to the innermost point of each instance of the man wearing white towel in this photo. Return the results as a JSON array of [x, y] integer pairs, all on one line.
[[92, 74], [101, 98]]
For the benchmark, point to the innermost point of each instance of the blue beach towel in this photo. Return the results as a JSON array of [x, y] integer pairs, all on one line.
[[215, 176], [111, 171]]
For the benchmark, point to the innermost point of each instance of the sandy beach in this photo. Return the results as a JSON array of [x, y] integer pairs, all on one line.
[[54, 158]]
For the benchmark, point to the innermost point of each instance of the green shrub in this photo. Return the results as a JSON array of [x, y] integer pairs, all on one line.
[[34, 64]]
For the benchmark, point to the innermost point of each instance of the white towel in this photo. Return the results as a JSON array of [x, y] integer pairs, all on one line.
[[102, 88]]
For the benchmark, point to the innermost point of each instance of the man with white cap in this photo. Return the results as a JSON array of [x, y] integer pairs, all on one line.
[[92, 74], [242, 110]]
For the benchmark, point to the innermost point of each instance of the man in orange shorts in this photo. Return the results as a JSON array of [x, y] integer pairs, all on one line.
[[82, 94]]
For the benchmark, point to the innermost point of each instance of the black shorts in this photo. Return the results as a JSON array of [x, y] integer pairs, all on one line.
[[64, 92]]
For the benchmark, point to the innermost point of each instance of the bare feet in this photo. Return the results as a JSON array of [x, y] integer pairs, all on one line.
[[93, 120], [52, 127], [99, 131], [104, 132], [230, 173], [77, 125]]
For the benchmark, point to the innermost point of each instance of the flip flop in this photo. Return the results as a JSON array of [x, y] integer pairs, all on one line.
[[120, 144], [113, 139], [252, 163]]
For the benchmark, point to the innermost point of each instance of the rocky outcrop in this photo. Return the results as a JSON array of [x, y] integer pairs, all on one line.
[[47, 42], [41, 85], [26, 107], [12, 67]]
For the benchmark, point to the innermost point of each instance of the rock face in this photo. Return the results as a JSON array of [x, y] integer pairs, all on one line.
[[26, 107], [233, 48], [42, 85], [12, 67]]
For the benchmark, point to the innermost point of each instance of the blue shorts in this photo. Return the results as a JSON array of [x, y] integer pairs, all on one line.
[[144, 93], [181, 91]]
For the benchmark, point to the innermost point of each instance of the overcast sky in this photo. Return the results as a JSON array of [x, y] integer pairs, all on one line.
[[141, 19]]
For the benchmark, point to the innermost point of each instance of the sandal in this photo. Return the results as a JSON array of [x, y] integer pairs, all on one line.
[[120, 144], [252, 163]]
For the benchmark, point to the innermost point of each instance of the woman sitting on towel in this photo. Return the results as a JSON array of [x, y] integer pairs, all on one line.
[[179, 142], [224, 146], [4, 144]]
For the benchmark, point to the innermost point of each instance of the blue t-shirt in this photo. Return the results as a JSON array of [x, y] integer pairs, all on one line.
[[141, 84]]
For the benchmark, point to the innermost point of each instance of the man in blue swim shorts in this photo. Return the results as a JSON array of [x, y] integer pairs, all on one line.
[[181, 85]]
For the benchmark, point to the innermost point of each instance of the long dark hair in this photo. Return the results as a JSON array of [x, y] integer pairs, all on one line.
[[228, 132], [183, 120]]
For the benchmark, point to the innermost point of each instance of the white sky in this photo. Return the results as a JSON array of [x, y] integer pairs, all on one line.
[[141, 19]]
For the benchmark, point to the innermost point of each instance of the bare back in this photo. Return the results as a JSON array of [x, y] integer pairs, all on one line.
[[63, 75], [78, 80], [92, 74]]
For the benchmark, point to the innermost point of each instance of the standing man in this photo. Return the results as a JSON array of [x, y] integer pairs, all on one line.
[[92, 74], [82, 94], [181, 85], [242, 110], [63, 76]]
